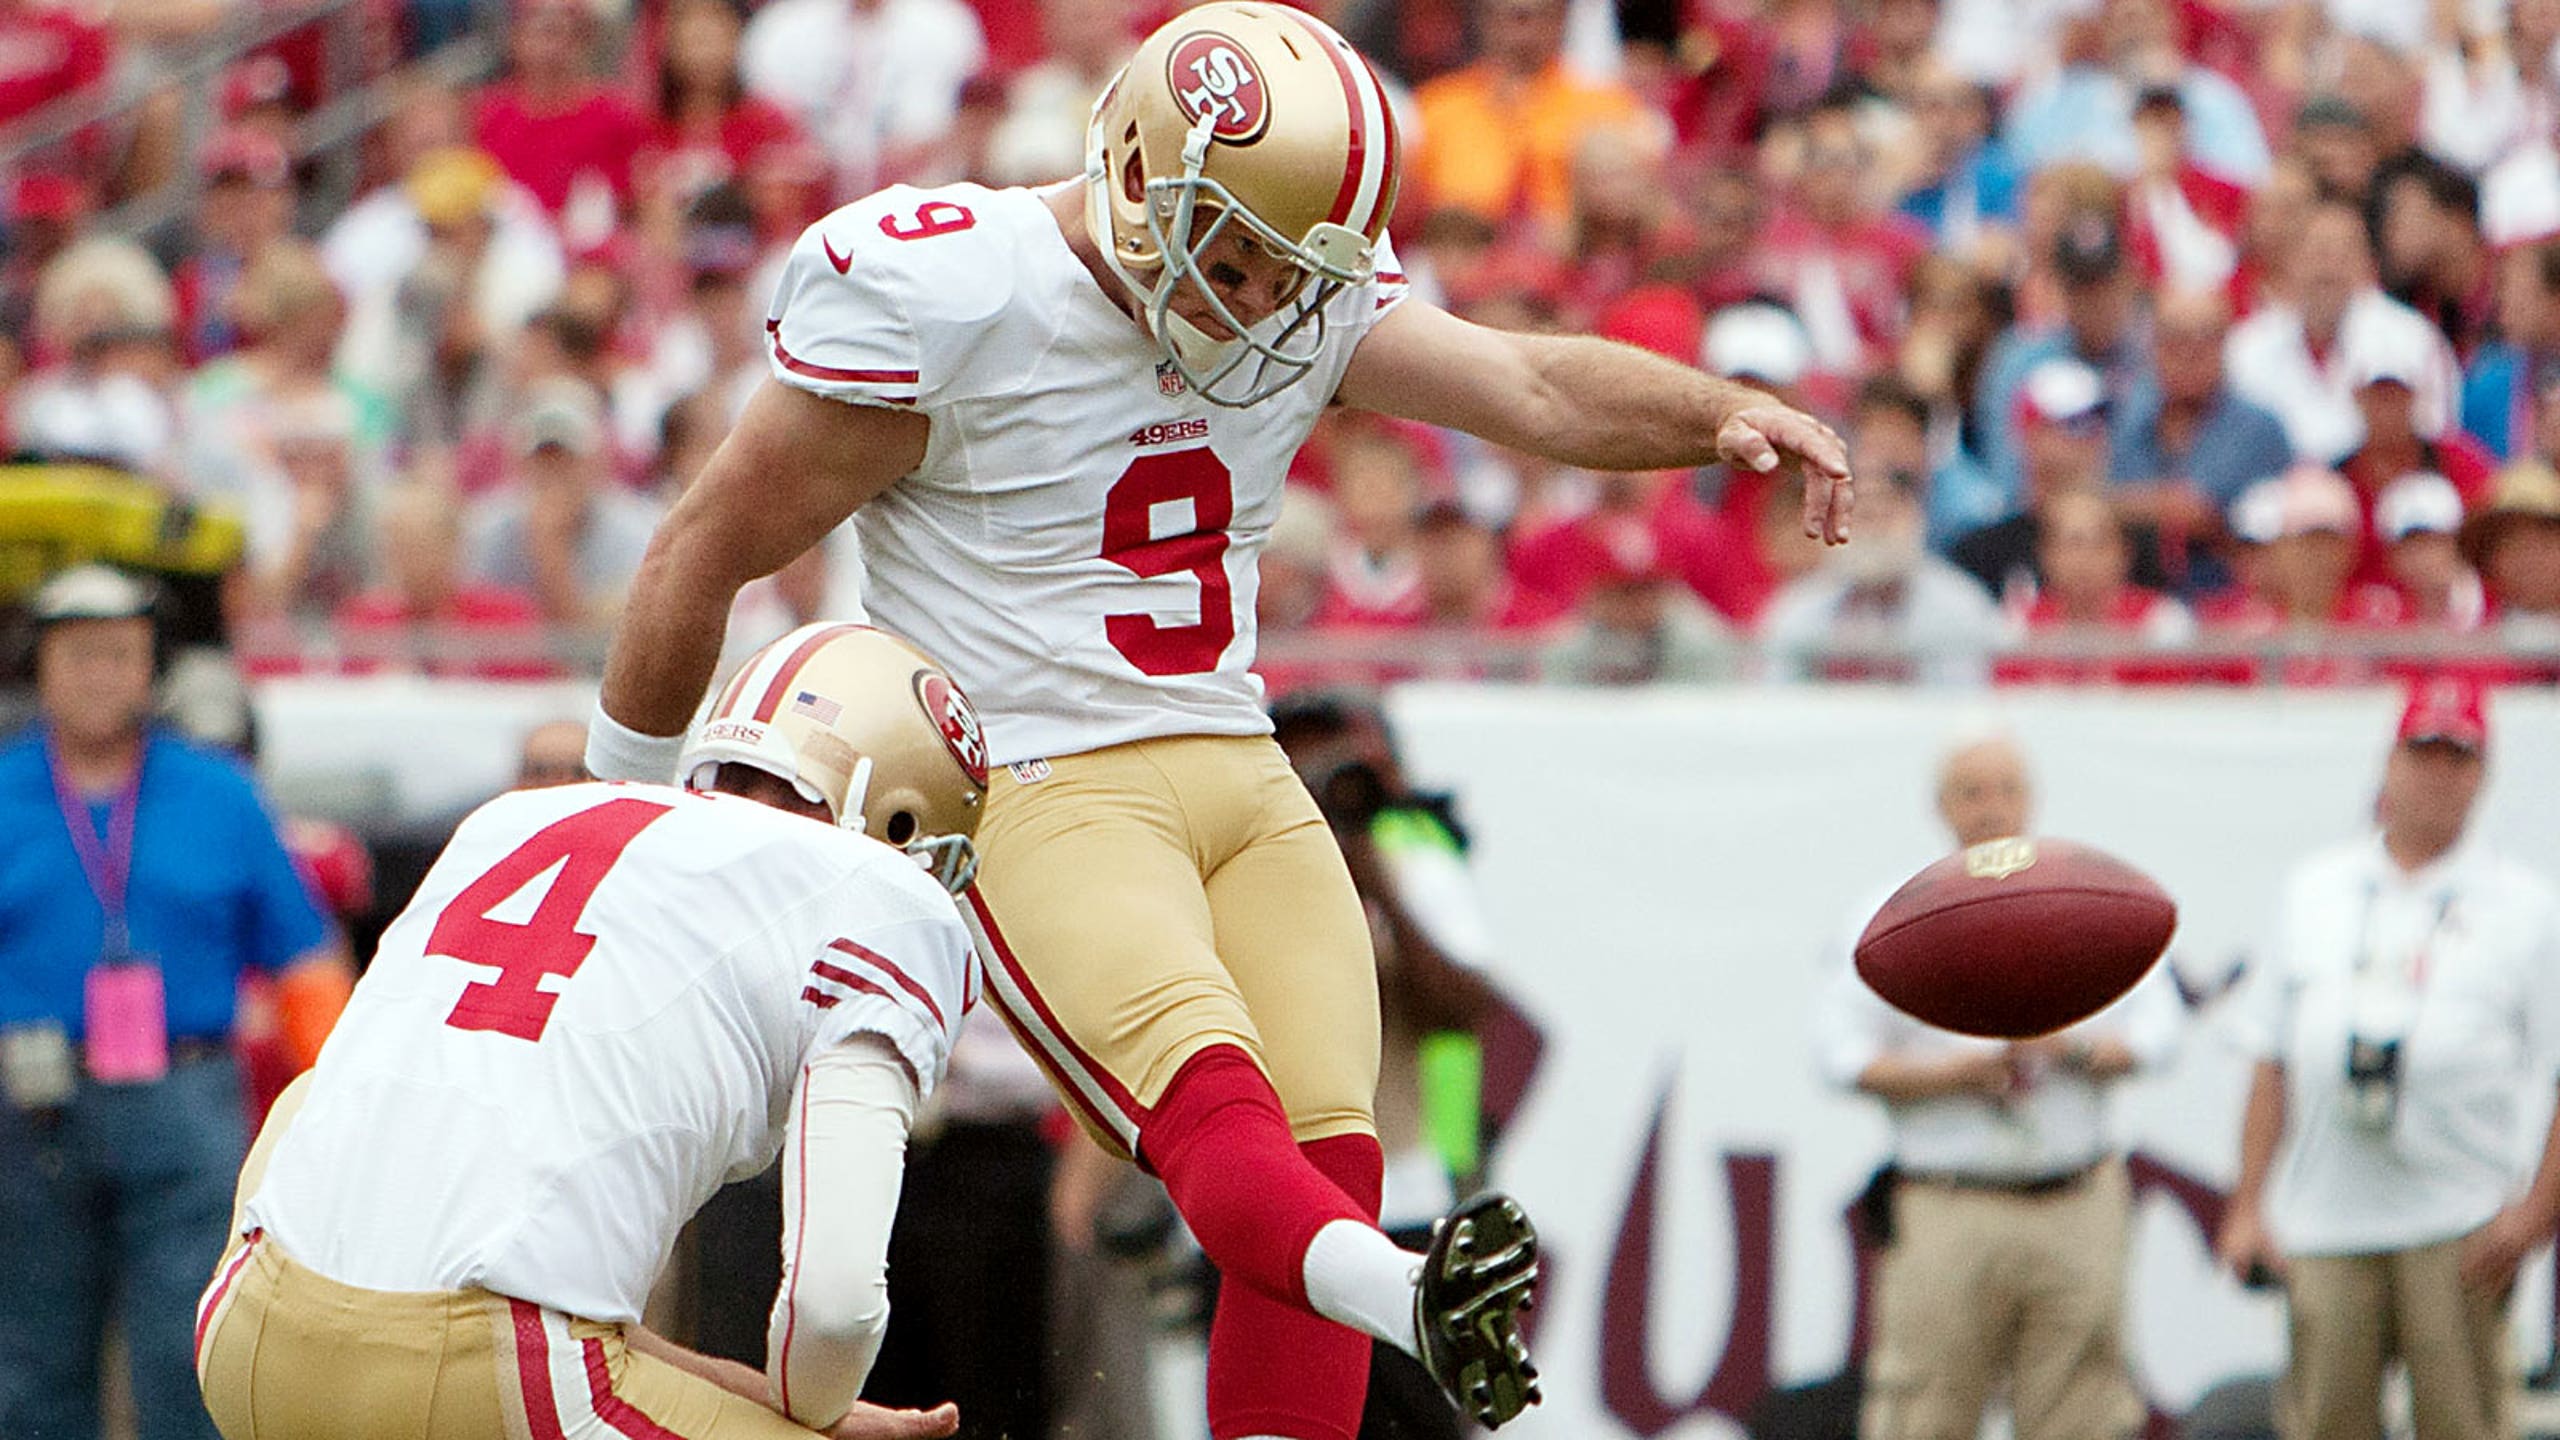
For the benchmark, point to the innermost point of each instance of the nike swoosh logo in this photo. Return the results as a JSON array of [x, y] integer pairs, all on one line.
[[843, 263]]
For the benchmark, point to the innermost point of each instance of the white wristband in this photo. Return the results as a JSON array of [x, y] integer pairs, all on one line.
[[615, 751]]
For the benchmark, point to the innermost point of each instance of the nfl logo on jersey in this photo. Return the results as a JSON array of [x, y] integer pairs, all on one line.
[[1169, 380]]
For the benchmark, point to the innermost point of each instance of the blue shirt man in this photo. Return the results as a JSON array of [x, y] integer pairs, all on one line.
[[141, 877]]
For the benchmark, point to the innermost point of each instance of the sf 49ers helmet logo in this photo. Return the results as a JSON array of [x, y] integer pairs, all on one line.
[[1212, 75], [949, 710]]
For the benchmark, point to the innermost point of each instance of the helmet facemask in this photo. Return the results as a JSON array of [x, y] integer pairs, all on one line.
[[1252, 367]]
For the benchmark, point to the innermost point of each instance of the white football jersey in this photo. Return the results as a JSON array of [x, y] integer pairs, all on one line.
[[1078, 547], [594, 1013]]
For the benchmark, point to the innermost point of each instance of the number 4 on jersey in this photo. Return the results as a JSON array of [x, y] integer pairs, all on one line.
[[582, 847]]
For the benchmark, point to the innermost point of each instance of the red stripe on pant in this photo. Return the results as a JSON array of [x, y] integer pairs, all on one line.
[[612, 1409], [533, 1370], [1070, 1069]]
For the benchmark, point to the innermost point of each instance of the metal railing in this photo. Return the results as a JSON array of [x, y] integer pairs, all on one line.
[[324, 139], [2086, 657]]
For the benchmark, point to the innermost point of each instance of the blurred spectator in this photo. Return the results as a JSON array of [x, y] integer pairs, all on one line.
[[556, 129], [426, 615], [1041, 137], [2504, 376], [308, 542], [1637, 625], [2102, 326], [560, 528], [874, 82], [1625, 224], [2419, 517], [247, 206], [2084, 560], [2006, 1213], [715, 345], [1725, 217], [1965, 183], [2085, 109], [377, 241], [2337, 142], [2272, 232], [146, 877], [554, 753], [105, 350], [1563, 560], [2185, 220], [1373, 577], [1837, 262], [1883, 606], [2061, 420], [2486, 92], [430, 340], [2433, 259], [1956, 315], [2187, 444], [2402, 1017], [1295, 559], [2301, 532], [1461, 579], [1498, 137], [2385, 393], [290, 317], [2296, 357], [706, 129], [2514, 542]]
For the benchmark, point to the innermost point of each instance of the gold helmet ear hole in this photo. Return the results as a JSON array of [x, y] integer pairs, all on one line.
[[901, 828], [1133, 179]]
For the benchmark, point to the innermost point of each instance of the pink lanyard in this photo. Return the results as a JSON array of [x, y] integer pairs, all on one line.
[[108, 864]]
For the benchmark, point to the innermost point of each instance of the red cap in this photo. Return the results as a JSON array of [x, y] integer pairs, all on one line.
[[47, 195], [2446, 709]]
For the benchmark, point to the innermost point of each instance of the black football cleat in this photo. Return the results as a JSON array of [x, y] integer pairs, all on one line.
[[1479, 1274]]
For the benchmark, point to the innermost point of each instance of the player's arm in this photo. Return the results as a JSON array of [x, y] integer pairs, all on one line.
[[791, 470], [1590, 402], [844, 1157]]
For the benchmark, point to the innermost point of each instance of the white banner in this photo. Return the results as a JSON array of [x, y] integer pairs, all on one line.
[[1665, 871]]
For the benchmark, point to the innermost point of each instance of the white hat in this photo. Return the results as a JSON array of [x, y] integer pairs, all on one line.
[[90, 592], [1756, 340], [559, 412], [2061, 390], [2421, 500], [2301, 501]]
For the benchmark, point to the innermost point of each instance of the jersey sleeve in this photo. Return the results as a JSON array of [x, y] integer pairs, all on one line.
[[890, 300], [1392, 287], [901, 969]]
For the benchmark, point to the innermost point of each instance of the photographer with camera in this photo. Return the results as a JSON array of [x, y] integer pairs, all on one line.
[[1407, 857], [2408, 1004]]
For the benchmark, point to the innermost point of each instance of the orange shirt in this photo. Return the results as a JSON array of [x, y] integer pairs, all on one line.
[[1503, 148]]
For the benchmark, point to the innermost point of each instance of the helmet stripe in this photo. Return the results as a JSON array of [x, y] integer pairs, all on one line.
[[1359, 161], [799, 656]]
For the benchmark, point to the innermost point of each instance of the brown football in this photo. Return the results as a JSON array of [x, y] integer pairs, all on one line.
[[2017, 937]]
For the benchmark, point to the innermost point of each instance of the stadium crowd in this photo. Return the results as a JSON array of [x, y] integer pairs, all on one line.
[[2225, 333]]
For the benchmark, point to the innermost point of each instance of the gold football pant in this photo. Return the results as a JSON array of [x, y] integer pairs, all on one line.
[[1982, 1287], [1139, 904], [2349, 1316]]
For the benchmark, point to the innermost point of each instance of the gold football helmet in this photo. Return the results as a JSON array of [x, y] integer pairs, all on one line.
[[1253, 115], [865, 724]]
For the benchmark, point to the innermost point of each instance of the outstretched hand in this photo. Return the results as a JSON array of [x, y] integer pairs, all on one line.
[[1762, 437], [878, 1422]]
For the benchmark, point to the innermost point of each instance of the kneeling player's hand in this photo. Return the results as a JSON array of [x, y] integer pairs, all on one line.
[[877, 1422]]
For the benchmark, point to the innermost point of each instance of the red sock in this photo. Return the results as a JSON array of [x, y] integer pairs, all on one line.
[[1221, 1143], [1276, 1369]]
